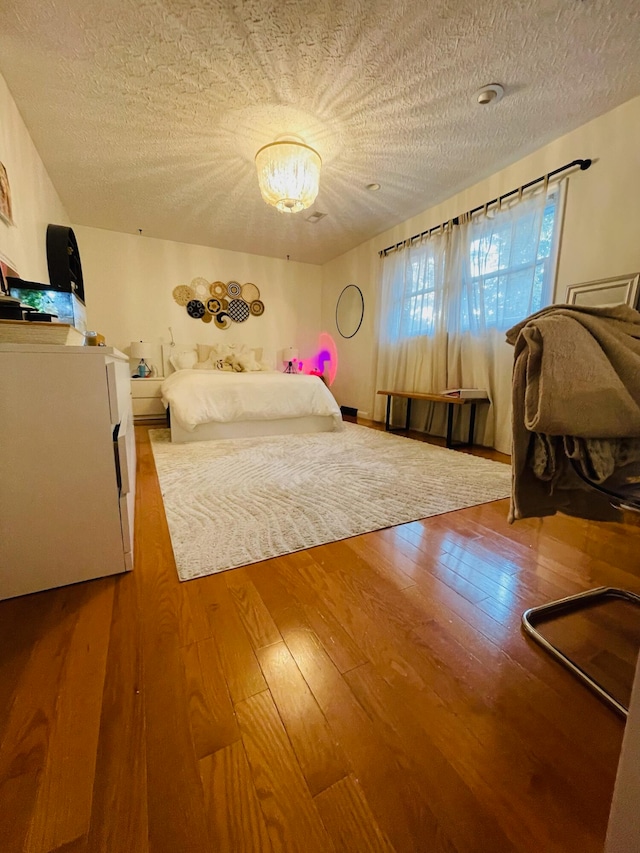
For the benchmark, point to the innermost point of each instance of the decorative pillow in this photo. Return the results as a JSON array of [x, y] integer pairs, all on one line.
[[183, 360], [204, 351], [247, 361], [220, 351], [239, 356]]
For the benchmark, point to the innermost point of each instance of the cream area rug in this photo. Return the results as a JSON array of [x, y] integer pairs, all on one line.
[[239, 501]]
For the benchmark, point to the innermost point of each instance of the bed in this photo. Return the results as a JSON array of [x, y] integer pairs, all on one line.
[[222, 391]]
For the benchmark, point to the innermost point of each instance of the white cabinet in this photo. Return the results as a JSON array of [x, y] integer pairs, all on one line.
[[67, 466], [147, 400]]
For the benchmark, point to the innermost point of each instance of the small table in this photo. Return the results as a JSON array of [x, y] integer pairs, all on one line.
[[437, 398], [146, 398]]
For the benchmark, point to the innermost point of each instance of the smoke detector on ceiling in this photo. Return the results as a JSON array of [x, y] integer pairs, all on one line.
[[490, 94]]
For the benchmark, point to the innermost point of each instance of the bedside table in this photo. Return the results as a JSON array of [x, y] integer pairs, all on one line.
[[147, 403]]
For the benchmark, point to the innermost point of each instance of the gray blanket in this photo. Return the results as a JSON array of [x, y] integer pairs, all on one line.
[[576, 395]]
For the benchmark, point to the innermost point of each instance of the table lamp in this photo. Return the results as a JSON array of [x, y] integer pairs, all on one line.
[[289, 359], [144, 353]]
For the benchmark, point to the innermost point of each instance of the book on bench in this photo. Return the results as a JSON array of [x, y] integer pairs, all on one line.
[[466, 393]]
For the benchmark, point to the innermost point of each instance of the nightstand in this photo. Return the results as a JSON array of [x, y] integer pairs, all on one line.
[[147, 403]]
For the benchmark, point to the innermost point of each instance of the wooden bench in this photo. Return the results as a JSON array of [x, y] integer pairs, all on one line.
[[451, 402]]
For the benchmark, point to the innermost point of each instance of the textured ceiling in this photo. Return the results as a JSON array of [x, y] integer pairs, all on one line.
[[148, 113]]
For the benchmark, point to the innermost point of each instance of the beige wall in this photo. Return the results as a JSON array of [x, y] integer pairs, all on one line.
[[601, 235], [35, 201], [129, 280]]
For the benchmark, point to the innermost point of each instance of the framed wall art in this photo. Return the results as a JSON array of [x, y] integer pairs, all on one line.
[[6, 205], [606, 291]]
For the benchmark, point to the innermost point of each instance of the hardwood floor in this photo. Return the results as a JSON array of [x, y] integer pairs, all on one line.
[[374, 694]]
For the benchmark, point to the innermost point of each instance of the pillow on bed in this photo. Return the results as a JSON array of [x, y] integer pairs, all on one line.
[[183, 360], [204, 351], [210, 354], [248, 357], [247, 361], [213, 352]]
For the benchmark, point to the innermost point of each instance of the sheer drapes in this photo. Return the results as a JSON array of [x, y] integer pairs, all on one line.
[[503, 271], [412, 337], [447, 301]]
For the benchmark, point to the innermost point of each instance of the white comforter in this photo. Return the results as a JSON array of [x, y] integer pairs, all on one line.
[[200, 396]]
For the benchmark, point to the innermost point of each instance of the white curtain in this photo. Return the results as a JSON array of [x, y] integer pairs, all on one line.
[[500, 275], [412, 336], [490, 272]]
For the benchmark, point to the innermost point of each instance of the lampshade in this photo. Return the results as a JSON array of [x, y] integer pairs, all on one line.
[[141, 349], [288, 174], [288, 354]]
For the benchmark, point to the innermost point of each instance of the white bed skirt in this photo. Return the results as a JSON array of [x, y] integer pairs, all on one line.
[[252, 429]]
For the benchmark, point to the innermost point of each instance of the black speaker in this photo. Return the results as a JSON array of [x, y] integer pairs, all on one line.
[[63, 260]]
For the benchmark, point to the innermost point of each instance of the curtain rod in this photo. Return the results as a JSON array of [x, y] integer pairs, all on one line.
[[583, 164]]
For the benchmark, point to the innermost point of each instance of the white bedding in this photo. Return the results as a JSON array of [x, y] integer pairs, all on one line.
[[202, 396]]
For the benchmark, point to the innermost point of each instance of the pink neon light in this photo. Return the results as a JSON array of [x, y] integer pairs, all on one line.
[[329, 355], [324, 362]]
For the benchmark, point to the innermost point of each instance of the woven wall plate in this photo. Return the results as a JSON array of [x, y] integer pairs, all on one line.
[[195, 309], [201, 287], [183, 294], [219, 302], [250, 292], [238, 310], [218, 288]]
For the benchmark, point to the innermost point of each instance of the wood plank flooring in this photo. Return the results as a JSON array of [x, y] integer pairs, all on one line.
[[375, 694]]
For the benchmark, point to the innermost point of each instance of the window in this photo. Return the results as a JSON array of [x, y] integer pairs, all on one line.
[[420, 288], [505, 272], [419, 305], [511, 266]]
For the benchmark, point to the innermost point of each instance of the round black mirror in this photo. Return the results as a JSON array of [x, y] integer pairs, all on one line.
[[349, 311]]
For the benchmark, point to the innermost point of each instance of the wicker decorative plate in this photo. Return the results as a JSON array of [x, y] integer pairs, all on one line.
[[218, 288], [233, 288], [222, 320], [214, 306], [250, 292], [238, 310], [195, 309], [257, 308], [183, 294], [206, 317], [201, 286]]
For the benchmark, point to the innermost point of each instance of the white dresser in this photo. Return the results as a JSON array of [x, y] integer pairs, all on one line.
[[67, 466]]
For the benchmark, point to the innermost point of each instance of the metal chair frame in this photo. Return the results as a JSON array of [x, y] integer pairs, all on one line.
[[583, 600]]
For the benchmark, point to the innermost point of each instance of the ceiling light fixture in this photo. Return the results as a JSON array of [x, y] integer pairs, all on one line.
[[373, 187], [288, 174], [490, 94]]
